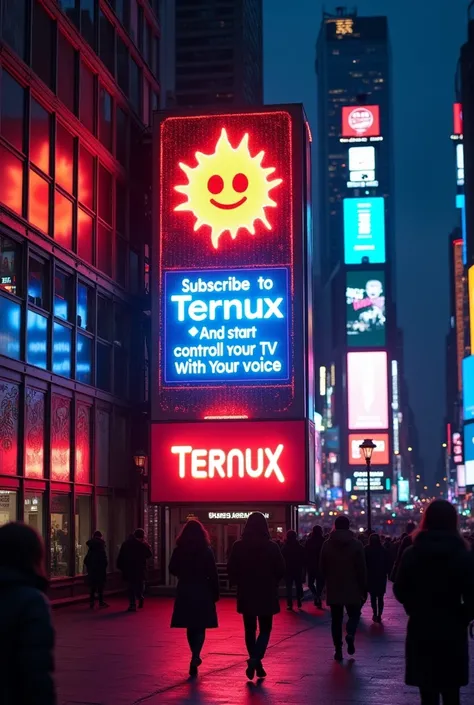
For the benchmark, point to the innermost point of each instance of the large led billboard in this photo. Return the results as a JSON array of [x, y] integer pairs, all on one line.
[[468, 387], [229, 326], [365, 308], [380, 456], [364, 230], [469, 453], [231, 461], [361, 121], [379, 481], [367, 389]]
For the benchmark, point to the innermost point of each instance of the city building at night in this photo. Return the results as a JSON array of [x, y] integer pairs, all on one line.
[[78, 84]]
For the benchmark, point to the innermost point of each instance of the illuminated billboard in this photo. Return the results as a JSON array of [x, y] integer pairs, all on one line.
[[403, 490], [380, 455], [361, 121], [365, 309], [457, 452], [379, 481], [469, 453], [231, 461], [364, 230], [367, 390], [230, 328], [461, 204], [457, 119], [468, 387], [460, 164]]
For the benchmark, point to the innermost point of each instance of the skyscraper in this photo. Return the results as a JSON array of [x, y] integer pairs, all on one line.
[[217, 53]]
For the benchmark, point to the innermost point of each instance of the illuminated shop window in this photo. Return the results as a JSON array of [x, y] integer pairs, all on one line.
[[60, 438], [8, 506], [83, 443], [38, 283], [38, 201], [12, 110], [63, 287], [62, 337], [86, 178], [85, 307], [60, 534], [63, 210], [37, 334], [83, 527], [64, 158], [10, 316], [34, 433], [33, 511], [10, 265], [85, 236]]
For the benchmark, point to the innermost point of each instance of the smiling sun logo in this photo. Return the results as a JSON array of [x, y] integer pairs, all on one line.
[[228, 189]]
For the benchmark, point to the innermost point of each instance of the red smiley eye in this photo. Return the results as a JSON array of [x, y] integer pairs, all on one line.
[[215, 184], [240, 183]]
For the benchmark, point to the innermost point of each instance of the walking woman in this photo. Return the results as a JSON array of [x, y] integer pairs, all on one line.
[[256, 566], [27, 644], [377, 560], [194, 565], [435, 584]]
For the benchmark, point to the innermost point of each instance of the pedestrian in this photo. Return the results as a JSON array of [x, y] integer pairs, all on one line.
[[405, 542], [377, 561], [132, 561], [293, 554], [344, 570], [435, 584], [313, 559], [27, 660], [96, 563], [194, 565], [256, 567]]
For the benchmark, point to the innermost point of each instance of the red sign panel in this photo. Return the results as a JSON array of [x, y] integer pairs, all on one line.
[[457, 119], [361, 121], [229, 461], [380, 455]]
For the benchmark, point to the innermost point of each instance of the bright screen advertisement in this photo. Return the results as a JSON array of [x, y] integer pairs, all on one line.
[[403, 491], [364, 230], [380, 456], [232, 461], [365, 309], [457, 119], [361, 121], [379, 481], [229, 320], [468, 387], [367, 390], [469, 453]]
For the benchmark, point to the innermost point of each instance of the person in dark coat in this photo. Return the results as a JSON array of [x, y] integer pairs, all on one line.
[[377, 562], [132, 561], [435, 584], [256, 566], [27, 644], [96, 563], [313, 558], [194, 565], [406, 542], [293, 554], [345, 573]]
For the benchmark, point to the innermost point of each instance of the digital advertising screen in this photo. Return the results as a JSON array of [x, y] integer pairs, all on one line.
[[461, 204], [361, 121], [379, 481], [469, 453], [403, 491], [361, 158], [231, 461], [468, 387], [229, 321], [457, 119], [380, 455], [365, 309], [367, 388], [364, 230]]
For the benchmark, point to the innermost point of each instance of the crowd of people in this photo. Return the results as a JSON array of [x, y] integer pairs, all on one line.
[[432, 570]]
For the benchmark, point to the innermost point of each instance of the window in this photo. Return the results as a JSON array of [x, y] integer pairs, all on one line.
[[147, 37], [121, 325], [87, 99], [60, 535], [104, 249], [10, 316], [67, 73], [85, 236], [105, 119], [102, 447], [34, 433], [38, 201], [64, 158], [104, 318], [84, 359], [121, 145], [12, 110], [62, 339], [120, 372], [119, 10], [86, 178], [155, 62], [63, 286], [102, 524], [107, 43], [104, 361], [122, 65], [38, 283], [11, 181], [63, 209], [121, 259], [105, 194], [88, 23], [69, 7], [146, 103], [36, 348], [121, 207], [14, 25], [42, 51], [40, 133], [133, 20], [135, 87], [10, 265], [60, 438], [140, 21], [134, 272], [85, 307], [83, 443], [33, 511], [83, 530], [9, 404], [8, 504]]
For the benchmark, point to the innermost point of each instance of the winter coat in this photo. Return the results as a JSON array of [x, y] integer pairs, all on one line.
[[256, 566], [435, 584], [313, 549], [27, 643], [294, 557], [132, 559], [198, 588], [377, 562], [344, 570], [96, 562]]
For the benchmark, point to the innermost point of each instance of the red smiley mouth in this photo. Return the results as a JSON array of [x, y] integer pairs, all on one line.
[[228, 206]]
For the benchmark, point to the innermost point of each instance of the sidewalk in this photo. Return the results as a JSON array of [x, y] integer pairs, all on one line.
[[114, 658]]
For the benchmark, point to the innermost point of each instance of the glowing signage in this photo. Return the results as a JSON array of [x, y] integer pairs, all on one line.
[[457, 448], [460, 164], [226, 325], [367, 390], [380, 455], [468, 388], [364, 230], [457, 119], [365, 309], [403, 491], [469, 453], [361, 121], [461, 204], [361, 158], [459, 304], [378, 481], [461, 479], [229, 461]]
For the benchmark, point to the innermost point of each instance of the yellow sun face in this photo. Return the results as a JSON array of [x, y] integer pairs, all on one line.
[[228, 189]]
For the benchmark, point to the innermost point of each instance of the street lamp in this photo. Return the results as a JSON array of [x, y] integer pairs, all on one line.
[[140, 461], [367, 448]]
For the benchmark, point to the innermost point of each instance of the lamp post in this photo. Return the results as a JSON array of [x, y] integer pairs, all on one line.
[[140, 458], [367, 448]]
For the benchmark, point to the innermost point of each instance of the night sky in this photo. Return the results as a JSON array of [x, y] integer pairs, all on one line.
[[425, 38]]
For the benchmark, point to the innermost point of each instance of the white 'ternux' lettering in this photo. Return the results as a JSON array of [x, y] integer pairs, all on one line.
[[202, 464]]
